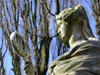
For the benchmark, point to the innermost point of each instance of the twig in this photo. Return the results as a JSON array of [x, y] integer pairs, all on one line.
[[47, 8], [42, 40], [4, 52], [89, 4], [54, 36]]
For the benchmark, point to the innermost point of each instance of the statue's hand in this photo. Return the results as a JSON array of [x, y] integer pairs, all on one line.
[[51, 66], [28, 68]]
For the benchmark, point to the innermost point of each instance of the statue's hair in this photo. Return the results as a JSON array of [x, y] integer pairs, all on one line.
[[77, 13], [86, 26]]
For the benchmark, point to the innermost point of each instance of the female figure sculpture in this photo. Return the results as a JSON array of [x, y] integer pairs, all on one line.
[[83, 57]]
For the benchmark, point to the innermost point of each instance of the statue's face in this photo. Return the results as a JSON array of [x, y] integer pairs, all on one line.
[[62, 30]]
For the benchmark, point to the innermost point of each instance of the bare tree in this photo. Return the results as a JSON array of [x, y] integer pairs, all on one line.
[[5, 26]]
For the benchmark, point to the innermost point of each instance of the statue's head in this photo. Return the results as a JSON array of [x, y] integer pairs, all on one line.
[[69, 17]]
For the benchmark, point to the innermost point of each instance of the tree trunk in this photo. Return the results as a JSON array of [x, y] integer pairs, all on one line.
[[96, 15]]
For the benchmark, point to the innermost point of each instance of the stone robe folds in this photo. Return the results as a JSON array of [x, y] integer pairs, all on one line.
[[81, 60]]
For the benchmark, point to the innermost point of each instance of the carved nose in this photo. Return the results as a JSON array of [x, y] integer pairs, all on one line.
[[59, 31]]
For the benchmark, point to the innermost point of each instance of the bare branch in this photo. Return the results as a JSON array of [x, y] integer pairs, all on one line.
[[47, 8], [4, 52], [89, 4], [54, 36], [57, 7]]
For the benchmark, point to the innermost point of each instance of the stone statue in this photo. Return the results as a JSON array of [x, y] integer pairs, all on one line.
[[20, 48], [74, 30]]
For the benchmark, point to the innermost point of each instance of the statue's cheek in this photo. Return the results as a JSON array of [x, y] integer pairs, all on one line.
[[59, 30], [63, 31]]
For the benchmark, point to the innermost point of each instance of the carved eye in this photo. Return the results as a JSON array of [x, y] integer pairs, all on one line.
[[59, 25]]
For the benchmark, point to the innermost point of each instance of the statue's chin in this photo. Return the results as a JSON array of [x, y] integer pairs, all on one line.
[[63, 37]]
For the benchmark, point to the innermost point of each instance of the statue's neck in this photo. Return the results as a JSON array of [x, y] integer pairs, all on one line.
[[77, 37]]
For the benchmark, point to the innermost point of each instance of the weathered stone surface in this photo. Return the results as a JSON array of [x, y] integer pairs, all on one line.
[[83, 58], [28, 68], [19, 47]]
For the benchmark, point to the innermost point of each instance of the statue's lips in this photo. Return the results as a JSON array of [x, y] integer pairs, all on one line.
[[62, 36]]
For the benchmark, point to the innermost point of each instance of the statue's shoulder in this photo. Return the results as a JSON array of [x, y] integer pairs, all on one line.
[[93, 42], [89, 47]]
